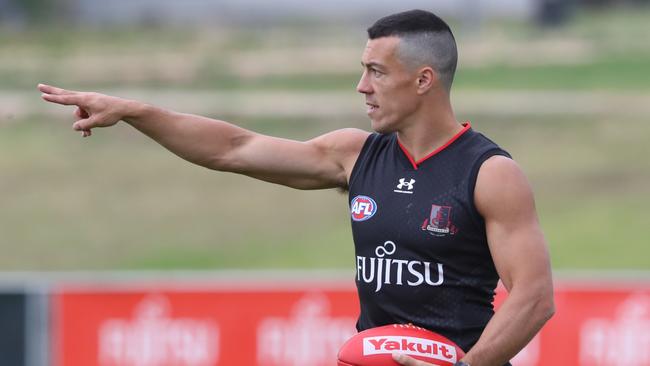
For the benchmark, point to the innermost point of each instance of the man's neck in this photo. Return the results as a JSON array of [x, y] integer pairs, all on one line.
[[430, 129]]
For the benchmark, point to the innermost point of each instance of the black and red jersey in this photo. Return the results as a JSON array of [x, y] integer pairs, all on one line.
[[421, 249]]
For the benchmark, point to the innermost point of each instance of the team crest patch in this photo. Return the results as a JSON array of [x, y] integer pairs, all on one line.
[[362, 208], [439, 221]]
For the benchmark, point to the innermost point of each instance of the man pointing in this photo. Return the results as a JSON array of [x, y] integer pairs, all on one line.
[[439, 212]]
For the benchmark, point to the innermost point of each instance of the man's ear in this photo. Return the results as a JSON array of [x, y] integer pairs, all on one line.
[[427, 77]]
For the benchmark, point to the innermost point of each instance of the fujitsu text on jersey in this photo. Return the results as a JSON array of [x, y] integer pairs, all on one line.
[[397, 272]]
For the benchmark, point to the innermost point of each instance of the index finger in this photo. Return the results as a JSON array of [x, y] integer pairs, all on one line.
[[49, 89], [65, 99]]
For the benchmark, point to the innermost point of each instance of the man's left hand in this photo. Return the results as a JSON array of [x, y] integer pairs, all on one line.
[[409, 361]]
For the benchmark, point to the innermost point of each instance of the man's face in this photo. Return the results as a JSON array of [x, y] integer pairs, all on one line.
[[390, 89]]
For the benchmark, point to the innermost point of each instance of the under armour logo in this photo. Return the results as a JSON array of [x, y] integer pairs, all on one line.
[[404, 184]]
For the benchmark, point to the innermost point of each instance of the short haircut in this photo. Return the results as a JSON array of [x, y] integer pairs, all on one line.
[[425, 40]]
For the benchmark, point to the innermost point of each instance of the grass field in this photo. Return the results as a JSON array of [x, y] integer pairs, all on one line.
[[118, 200]]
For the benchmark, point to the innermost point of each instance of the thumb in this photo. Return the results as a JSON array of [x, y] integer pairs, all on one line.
[[84, 124], [81, 113]]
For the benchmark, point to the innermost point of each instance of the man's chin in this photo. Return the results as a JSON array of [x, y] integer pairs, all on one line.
[[380, 127]]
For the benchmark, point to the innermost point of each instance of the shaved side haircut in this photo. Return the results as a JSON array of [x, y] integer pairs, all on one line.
[[425, 40]]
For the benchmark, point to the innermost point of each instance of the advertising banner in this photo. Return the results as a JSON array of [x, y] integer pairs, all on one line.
[[301, 326], [305, 324], [594, 325]]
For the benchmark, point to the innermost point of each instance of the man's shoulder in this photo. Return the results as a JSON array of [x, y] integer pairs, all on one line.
[[474, 137], [501, 183], [348, 134], [342, 140]]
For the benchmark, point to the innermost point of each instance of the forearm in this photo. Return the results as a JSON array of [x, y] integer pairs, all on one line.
[[516, 322], [323, 162], [200, 140]]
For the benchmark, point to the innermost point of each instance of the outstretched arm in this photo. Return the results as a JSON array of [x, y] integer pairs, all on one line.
[[323, 162]]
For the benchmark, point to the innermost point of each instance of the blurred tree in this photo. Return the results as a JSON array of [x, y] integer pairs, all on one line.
[[554, 12], [609, 3], [471, 15], [10, 14], [20, 13]]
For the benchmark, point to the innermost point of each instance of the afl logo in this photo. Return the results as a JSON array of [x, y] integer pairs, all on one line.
[[363, 208]]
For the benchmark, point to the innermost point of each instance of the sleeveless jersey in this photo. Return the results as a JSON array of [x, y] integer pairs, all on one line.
[[421, 248]]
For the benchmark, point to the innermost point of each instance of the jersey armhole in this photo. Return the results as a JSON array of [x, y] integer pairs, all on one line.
[[363, 156], [478, 218]]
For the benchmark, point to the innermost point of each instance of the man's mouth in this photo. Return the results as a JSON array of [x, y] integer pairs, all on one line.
[[371, 107]]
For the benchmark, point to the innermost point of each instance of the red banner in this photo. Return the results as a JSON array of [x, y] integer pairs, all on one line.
[[211, 326], [594, 325], [305, 324]]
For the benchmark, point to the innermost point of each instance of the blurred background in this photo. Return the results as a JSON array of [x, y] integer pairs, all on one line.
[[563, 85]]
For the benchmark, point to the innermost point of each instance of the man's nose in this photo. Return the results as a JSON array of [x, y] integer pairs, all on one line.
[[364, 86]]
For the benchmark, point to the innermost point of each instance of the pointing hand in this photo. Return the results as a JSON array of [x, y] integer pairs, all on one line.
[[93, 109]]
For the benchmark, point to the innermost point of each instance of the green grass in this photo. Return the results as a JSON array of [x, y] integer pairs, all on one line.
[[599, 232], [624, 72], [118, 200], [616, 56], [324, 246], [591, 185]]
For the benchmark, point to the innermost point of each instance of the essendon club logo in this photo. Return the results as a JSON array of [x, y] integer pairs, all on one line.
[[362, 208], [439, 221]]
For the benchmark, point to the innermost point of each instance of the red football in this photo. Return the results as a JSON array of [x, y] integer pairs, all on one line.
[[375, 347]]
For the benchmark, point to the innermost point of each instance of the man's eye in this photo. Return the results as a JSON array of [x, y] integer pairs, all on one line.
[[376, 72]]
